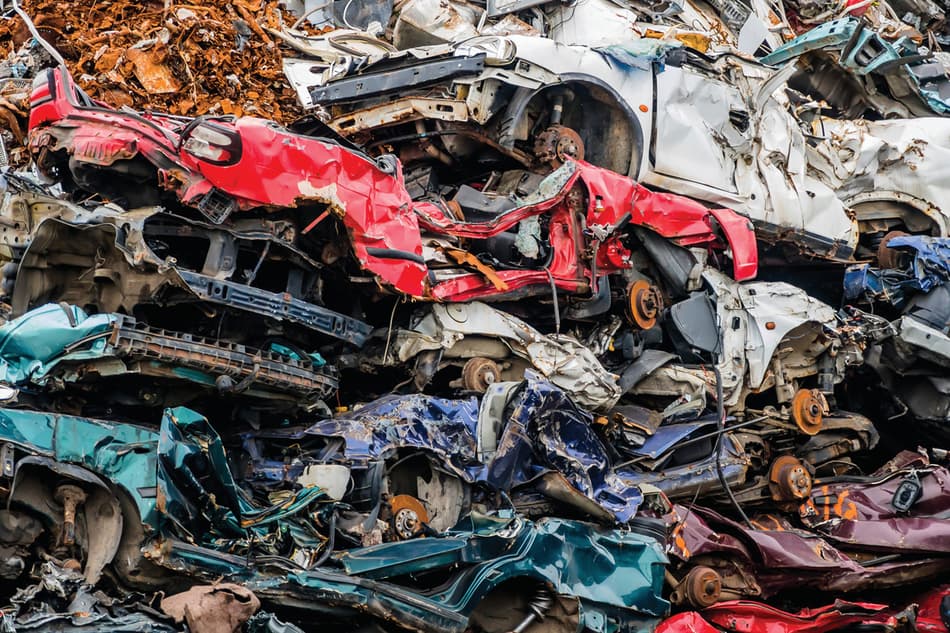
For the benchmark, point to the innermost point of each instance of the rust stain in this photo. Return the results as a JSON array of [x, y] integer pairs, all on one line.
[[679, 541]]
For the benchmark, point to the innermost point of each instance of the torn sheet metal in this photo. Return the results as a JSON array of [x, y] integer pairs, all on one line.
[[521, 438], [132, 274], [545, 432], [559, 358], [445, 427], [909, 362], [785, 328], [890, 172], [753, 157], [622, 583], [917, 83], [908, 354], [901, 510], [423, 22], [383, 224], [773, 335], [61, 600], [192, 494], [247, 164], [174, 482], [562, 441], [200, 497], [611, 202], [549, 541], [177, 480], [917, 264], [233, 255], [684, 460]]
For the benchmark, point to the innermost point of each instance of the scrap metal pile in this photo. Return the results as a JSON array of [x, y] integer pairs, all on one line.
[[475, 315]]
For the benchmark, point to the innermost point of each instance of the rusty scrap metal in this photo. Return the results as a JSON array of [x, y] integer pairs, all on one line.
[[186, 59]]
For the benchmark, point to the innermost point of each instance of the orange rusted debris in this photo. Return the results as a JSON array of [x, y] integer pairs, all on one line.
[[185, 58], [152, 72]]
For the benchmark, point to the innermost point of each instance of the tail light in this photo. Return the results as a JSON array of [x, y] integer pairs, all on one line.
[[212, 143], [42, 88]]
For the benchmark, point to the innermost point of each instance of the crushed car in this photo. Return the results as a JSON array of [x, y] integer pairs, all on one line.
[[852, 533], [903, 310], [431, 459], [744, 615], [160, 508], [61, 351], [597, 316], [206, 164], [530, 101]]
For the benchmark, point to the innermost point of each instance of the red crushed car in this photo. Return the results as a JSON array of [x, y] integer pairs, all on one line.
[[933, 610], [744, 616], [231, 168]]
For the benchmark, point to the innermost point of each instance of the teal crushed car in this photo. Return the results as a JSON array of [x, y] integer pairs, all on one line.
[[160, 509]]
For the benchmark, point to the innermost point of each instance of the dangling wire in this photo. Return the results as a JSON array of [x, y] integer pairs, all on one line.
[[721, 421], [36, 34]]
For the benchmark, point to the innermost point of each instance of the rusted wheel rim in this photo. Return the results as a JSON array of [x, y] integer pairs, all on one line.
[[557, 144], [644, 304], [703, 587], [408, 516], [888, 257], [808, 407], [569, 145], [479, 373], [789, 480]]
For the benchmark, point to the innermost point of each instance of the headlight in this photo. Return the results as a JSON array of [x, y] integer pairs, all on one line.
[[213, 143]]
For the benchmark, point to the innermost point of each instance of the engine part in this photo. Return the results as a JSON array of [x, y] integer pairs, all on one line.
[[71, 497]]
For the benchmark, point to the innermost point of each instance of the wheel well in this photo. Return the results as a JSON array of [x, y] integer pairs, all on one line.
[[885, 215], [108, 528], [877, 218], [609, 129], [130, 183]]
